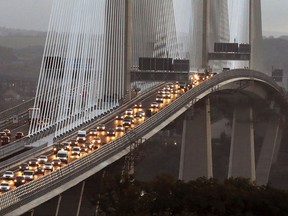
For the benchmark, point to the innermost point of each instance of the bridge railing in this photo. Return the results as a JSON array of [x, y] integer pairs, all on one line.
[[24, 194], [9, 113]]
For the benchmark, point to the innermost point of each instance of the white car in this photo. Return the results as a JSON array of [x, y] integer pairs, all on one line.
[[48, 166], [129, 112], [8, 175], [42, 159], [76, 151], [4, 186], [154, 105], [28, 174]]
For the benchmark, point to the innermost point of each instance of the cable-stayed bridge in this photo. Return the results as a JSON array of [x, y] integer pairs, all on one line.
[[85, 77]]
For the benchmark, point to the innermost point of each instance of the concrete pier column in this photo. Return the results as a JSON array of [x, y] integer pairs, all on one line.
[[196, 150], [242, 154], [278, 142], [265, 159]]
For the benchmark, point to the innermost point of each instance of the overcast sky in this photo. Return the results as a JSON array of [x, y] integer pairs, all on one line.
[[34, 15]]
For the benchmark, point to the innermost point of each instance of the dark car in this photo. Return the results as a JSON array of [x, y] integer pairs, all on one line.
[[138, 106], [5, 140], [23, 167], [19, 135], [66, 146], [92, 132], [19, 180], [57, 147], [101, 127], [39, 171], [33, 163], [110, 132], [56, 162]]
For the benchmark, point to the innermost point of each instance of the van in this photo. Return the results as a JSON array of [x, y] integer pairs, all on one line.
[[63, 156], [81, 136]]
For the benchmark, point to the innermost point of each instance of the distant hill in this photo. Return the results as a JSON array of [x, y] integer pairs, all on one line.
[[284, 37], [19, 39], [276, 53], [20, 32]]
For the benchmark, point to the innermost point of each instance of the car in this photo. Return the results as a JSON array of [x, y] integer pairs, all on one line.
[[5, 186], [56, 162], [167, 95], [19, 180], [73, 142], [57, 147], [42, 159], [120, 128], [39, 171], [33, 163], [2, 134], [28, 175], [75, 151], [159, 99], [23, 167], [138, 106], [5, 140], [19, 135], [154, 105], [8, 175], [129, 112], [139, 115], [127, 122], [66, 146], [101, 127], [48, 166], [174, 91], [110, 132], [97, 142], [83, 148], [8, 132], [89, 145], [92, 132], [119, 117]]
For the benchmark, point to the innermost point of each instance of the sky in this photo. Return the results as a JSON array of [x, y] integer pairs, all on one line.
[[35, 14]]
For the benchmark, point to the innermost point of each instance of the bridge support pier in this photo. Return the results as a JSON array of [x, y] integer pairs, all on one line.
[[80, 200], [196, 150], [242, 153], [58, 205], [269, 150]]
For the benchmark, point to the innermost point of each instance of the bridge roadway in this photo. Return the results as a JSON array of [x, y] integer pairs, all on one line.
[[28, 196]]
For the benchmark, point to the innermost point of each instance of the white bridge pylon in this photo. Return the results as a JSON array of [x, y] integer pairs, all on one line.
[[85, 69]]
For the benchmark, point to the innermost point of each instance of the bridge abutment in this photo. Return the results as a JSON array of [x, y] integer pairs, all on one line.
[[196, 150], [242, 152]]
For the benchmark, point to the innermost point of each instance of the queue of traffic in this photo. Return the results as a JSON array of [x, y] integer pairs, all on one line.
[[6, 136], [92, 139]]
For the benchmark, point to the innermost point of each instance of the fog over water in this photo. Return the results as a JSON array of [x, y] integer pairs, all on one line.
[[34, 15]]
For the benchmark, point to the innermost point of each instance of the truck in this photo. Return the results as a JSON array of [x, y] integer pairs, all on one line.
[[63, 156], [33, 115]]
